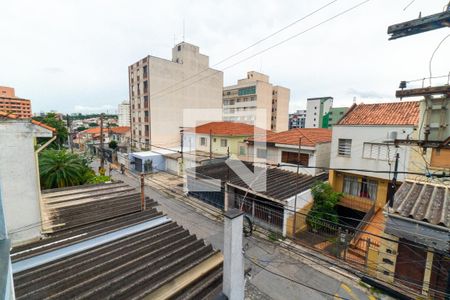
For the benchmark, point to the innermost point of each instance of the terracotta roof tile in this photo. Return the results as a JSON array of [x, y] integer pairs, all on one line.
[[118, 130], [310, 137], [396, 113], [229, 129], [13, 116]]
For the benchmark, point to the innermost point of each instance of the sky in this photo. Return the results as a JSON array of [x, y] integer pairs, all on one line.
[[72, 56]]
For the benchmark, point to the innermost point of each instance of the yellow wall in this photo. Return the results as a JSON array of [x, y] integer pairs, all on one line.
[[300, 223], [336, 180], [232, 143]]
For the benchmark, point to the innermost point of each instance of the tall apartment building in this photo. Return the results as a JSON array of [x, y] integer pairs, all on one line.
[[123, 113], [297, 119], [316, 109], [161, 89], [9, 103], [241, 102]]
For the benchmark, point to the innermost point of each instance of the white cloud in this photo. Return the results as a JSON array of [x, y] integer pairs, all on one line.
[[84, 59]]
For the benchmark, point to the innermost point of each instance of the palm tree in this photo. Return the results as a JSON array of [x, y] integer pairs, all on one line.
[[59, 168]]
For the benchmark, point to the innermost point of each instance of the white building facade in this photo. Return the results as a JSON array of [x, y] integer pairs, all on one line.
[[20, 194], [123, 113], [161, 89], [316, 109], [242, 101]]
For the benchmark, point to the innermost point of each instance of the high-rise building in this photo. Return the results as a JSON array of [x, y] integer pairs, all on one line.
[[316, 109], [9, 103], [123, 113], [161, 89], [241, 102], [297, 119]]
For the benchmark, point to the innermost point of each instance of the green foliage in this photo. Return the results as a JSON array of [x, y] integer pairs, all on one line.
[[99, 179], [52, 120], [80, 116], [112, 145], [324, 207], [93, 124], [60, 168], [81, 128]]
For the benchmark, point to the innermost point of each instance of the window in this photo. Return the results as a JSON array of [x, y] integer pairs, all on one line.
[[223, 143], [247, 91], [344, 147], [378, 151], [292, 157], [261, 153], [241, 150], [440, 158], [365, 188], [179, 47], [203, 141]]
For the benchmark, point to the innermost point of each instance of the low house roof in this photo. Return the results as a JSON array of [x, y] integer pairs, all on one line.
[[109, 248], [310, 137], [13, 116], [117, 129], [423, 201], [395, 113], [280, 184], [228, 129]]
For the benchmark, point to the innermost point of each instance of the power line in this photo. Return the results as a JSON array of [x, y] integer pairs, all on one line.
[[248, 47], [279, 43], [434, 52]]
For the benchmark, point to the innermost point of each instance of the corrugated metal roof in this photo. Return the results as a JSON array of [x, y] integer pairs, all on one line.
[[423, 201], [280, 184], [119, 266]]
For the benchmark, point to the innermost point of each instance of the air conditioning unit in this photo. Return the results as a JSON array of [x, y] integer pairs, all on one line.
[[391, 136]]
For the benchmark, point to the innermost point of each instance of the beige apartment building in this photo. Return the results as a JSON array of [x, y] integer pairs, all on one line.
[[245, 100], [161, 89], [9, 103]]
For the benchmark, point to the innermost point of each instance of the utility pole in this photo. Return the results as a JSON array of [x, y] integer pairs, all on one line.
[[182, 142], [142, 193], [102, 159], [296, 187], [210, 145], [69, 140], [393, 182]]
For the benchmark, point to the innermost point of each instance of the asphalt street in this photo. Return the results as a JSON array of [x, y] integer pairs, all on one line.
[[298, 280]]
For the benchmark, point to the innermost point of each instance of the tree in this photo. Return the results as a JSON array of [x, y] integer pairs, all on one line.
[[60, 168], [93, 124], [113, 145], [52, 120], [81, 128], [323, 212]]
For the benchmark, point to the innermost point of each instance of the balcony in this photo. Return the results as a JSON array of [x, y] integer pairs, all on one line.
[[146, 119]]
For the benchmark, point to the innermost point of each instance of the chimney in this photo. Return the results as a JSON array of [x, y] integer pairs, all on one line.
[[233, 264]]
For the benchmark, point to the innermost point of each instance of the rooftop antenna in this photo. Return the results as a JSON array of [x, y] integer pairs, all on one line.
[[354, 100]]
